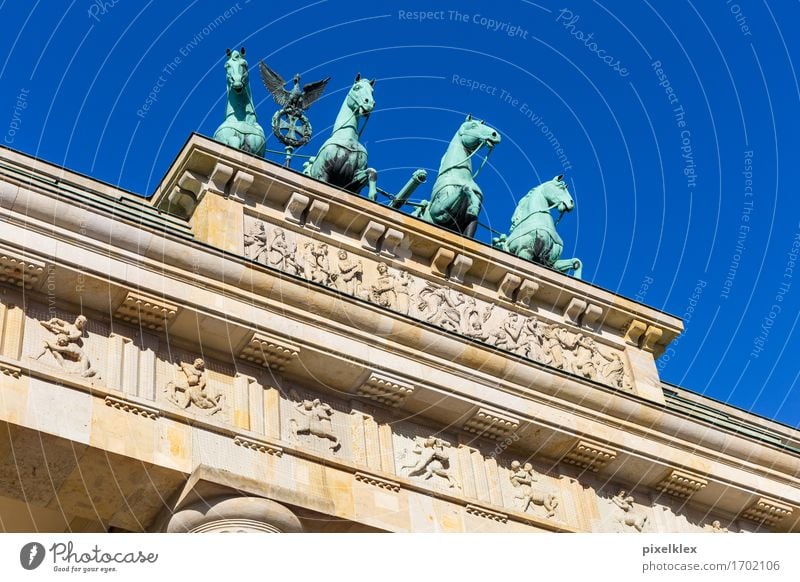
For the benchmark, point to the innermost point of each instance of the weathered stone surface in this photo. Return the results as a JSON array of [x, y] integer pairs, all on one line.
[[377, 373]]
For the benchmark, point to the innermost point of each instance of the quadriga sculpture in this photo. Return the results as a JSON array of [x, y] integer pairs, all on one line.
[[533, 235], [456, 200], [342, 160], [240, 128]]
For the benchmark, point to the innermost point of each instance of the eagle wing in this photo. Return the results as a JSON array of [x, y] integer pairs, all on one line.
[[313, 91], [274, 84]]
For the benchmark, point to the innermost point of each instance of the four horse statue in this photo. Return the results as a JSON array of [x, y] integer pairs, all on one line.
[[240, 129], [533, 235], [342, 160], [456, 200]]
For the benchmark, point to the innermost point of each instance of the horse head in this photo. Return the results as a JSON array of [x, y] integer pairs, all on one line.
[[237, 71], [474, 133], [557, 196], [359, 99]]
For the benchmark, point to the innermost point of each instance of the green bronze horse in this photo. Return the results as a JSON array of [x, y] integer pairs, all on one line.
[[342, 160], [533, 235], [240, 129], [456, 200]]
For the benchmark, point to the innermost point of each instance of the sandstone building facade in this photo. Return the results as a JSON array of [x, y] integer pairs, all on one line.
[[252, 350]]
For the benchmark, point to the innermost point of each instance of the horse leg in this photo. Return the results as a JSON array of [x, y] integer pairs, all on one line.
[[565, 265], [364, 177], [472, 227], [472, 212], [372, 177]]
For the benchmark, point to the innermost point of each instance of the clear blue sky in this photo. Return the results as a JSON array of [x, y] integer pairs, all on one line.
[[677, 121]]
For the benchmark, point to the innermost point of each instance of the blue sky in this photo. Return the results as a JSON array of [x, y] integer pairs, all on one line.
[[675, 123]]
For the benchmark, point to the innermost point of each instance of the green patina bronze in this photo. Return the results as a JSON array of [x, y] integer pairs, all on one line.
[[342, 160], [290, 124], [456, 200], [533, 235], [240, 128]]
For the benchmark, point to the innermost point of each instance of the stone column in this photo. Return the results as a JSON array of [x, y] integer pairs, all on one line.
[[232, 514]]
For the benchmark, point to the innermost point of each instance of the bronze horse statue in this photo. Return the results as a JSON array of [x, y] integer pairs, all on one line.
[[533, 235], [342, 160], [456, 200], [240, 128]]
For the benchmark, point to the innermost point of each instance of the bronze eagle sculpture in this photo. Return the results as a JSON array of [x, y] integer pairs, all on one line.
[[297, 98]]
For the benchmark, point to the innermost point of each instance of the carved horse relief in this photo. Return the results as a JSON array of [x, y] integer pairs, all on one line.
[[456, 199], [342, 160], [533, 235], [240, 129]]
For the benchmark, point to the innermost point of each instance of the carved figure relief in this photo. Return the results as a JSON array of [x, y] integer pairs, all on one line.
[[402, 290], [441, 306], [350, 273], [255, 243], [613, 372], [271, 249], [626, 515], [384, 290], [315, 420], [475, 319], [509, 335], [523, 478], [190, 388], [67, 346], [317, 266], [547, 343], [433, 460]]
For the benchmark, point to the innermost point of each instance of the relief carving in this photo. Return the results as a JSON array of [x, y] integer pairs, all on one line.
[[384, 289], [441, 306], [255, 243], [67, 346], [433, 460], [272, 250], [314, 420], [402, 290], [350, 274], [522, 478], [509, 335], [317, 266], [547, 343], [475, 319], [190, 388], [626, 515]]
